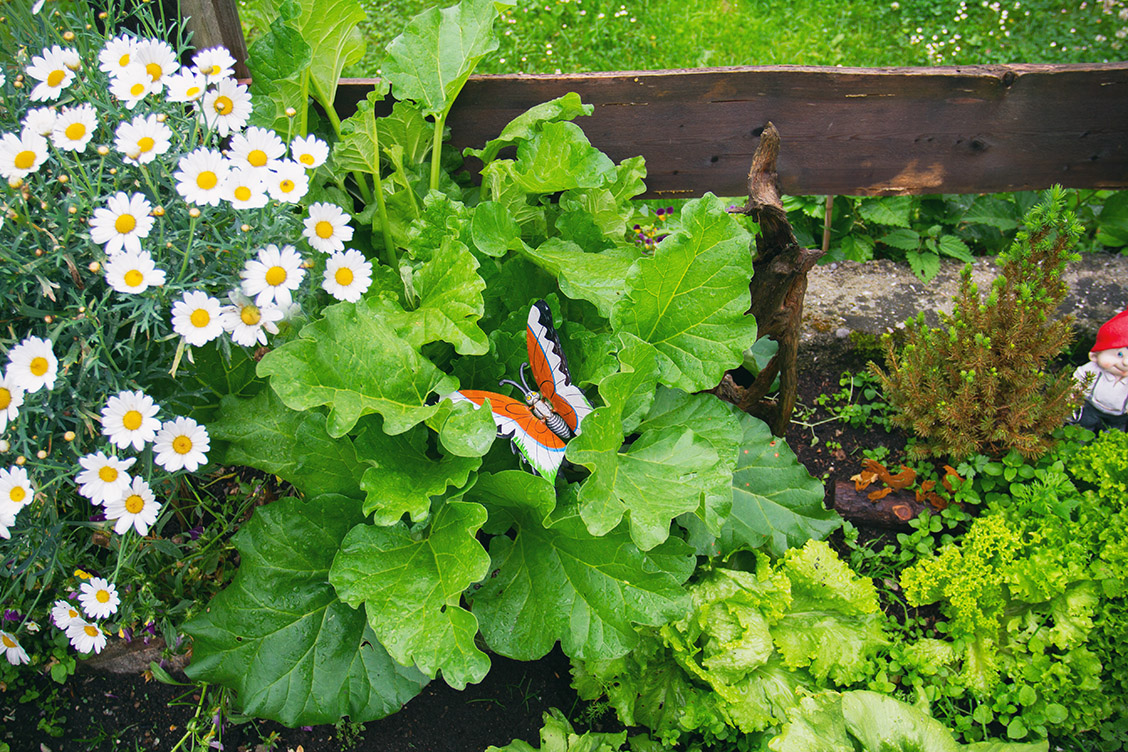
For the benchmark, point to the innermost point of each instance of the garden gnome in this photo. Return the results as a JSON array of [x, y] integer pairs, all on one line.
[[1105, 378]]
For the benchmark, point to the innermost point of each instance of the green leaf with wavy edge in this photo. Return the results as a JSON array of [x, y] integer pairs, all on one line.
[[558, 158], [358, 149], [430, 61], [893, 211], [356, 364], [265, 434], [557, 735], [594, 277], [562, 583], [403, 475], [411, 589], [330, 27], [450, 299], [527, 124], [279, 635], [775, 501], [689, 299]]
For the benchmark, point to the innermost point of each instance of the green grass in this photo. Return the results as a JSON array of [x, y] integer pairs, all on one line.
[[595, 35]]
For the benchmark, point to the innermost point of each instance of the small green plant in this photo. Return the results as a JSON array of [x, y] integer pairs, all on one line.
[[349, 733], [978, 384]]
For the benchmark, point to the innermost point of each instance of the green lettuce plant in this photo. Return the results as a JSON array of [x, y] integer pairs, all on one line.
[[442, 546]]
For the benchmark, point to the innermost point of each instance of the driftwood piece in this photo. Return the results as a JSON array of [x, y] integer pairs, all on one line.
[[778, 286], [894, 511]]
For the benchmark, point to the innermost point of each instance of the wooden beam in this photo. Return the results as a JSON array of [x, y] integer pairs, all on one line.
[[854, 131], [215, 23]]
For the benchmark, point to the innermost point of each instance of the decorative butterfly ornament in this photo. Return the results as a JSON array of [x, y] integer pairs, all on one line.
[[551, 413]]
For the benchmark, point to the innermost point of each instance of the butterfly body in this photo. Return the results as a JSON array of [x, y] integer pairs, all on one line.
[[551, 413]]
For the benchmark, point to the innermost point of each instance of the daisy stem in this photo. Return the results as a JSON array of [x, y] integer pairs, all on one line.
[[120, 556], [152, 188], [187, 248]]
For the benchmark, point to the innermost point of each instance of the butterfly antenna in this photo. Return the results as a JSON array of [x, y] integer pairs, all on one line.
[[524, 387], [503, 382], [522, 373]]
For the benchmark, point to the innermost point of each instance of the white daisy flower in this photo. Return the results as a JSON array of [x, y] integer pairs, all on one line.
[[273, 275], [197, 318], [310, 152], [182, 444], [327, 227], [287, 181], [117, 55], [98, 598], [129, 419], [137, 507], [201, 176], [142, 139], [122, 224], [248, 323], [12, 650], [185, 86], [133, 272], [216, 63], [257, 148], [103, 478], [348, 275], [16, 490], [226, 108], [11, 398], [244, 189], [74, 127], [32, 365], [40, 121], [21, 155], [85, 636], [131, 85], [7, 521], [64, 614], [50, 68], [159, 60]]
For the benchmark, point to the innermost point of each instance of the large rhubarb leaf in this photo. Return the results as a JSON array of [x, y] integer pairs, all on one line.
[[358, 149], [525, 126], [265, 434], [411, 586], [689, 299], [279, 635], [562, 583], [775, 501], [594, 277], [355, 363]]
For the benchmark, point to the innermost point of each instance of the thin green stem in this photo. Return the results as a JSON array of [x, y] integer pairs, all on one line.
[[326, 103], [437, 150], [390, 255]]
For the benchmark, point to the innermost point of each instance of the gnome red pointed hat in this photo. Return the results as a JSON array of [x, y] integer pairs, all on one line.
[[1113, 334]]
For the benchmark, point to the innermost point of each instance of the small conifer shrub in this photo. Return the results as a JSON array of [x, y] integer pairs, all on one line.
[[978, 383]]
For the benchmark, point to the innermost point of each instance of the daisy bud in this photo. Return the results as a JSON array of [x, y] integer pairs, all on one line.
[[38, 252], [18, 83], [245, 228], [194, 213], [158, 211], [103, 15], [5, 446], [21, 460], [15, 183], [290, 112], [113, 171], [64, 178], [68, 36], [82, 309], [103, 150], [43, 205], [48, 319], [68, 436], [41, 454], [161, 117], [72, 210], [94, 267]]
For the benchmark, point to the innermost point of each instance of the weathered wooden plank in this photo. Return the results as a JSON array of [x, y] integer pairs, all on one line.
[[860, 131], [215, 23]]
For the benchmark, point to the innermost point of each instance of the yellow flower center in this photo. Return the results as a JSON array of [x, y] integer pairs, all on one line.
[[193, 92], [25, 159], [8, 641], [250, 315], [275, 276], [107, 474], [75, 131], [207, 180], [39, 366], [134, 278], [5, 398], [123, 60], [145, 143], [243, 193], [125, 223], [286, 185], [137, 89], [182, 444], [200, 318], [257, 158], [223, 105], [215, 70], [90, 630], [343, 276], [134, 504], [306, 159], [324, 229], [102, 596], [17, 494], [55, 77], [154, 71], [132, 420]]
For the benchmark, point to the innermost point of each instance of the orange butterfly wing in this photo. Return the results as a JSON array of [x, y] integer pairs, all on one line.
[[542, 448], [550, 368]]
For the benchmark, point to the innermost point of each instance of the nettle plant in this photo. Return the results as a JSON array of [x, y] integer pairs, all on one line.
[[417, 541]]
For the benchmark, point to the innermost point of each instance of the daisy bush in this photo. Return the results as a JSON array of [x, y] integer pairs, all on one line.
[[153, 237]]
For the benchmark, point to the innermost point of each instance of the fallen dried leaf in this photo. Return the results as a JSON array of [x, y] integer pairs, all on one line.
[[863, 479]]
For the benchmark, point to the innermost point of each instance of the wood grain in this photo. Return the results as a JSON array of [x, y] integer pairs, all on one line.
[[857, 131]]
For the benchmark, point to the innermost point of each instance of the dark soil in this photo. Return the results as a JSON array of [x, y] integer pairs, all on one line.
[[95, 711]]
